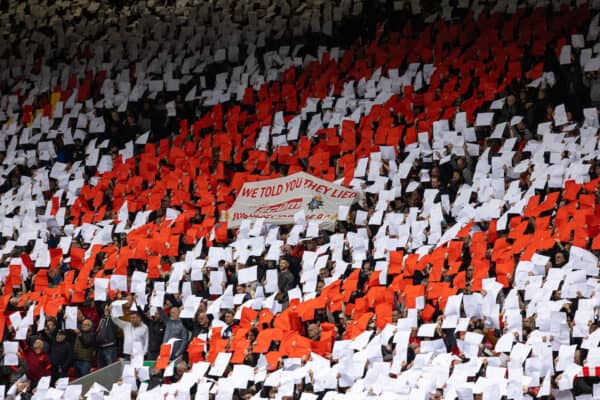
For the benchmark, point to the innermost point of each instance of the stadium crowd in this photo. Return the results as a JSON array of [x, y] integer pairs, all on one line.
[[467, 268]]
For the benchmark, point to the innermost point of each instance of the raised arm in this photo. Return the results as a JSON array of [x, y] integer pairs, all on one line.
[[163, 315], [120, 323]]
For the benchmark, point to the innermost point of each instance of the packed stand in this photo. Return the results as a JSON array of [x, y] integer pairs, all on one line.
[[466, 269]]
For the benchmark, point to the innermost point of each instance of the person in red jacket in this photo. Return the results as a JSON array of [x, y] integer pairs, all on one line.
[[38, 362]]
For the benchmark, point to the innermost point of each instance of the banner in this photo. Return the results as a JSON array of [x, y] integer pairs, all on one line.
[[277, 200]]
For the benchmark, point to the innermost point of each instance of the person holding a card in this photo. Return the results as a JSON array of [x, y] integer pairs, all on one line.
[[174, 329], [9, 374], [156, 331], [22, 389], [84, 349], [106, 339], [38, 362], [286, 281], [61, 355], [198, 326]]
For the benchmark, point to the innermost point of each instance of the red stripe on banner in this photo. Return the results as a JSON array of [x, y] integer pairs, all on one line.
[[585, 371]]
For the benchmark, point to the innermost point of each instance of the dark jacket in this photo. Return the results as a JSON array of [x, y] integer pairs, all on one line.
[[285, 282], [106, 333], [193, 326], [61, 355], [156, 331], [85, 346]]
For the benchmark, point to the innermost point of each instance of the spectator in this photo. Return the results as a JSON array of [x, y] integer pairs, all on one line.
[[181, 368], [84, 349], [592, 81], [21, 390], [285, 282], [38, 362], [156, 332], [135, 332], [61, 355], [228, 318], [198, 326], [106, 339], [9, 374], [464, 166], [174, 329]]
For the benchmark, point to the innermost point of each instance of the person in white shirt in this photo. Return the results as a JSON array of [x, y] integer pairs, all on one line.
[[134, 332]]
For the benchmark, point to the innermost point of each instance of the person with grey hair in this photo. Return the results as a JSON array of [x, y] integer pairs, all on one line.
[[84, 349], [175, 329]]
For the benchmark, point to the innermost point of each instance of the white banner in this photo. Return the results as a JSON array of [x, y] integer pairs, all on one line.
[[277, 200]]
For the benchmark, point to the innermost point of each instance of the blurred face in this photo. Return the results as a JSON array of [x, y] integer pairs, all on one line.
[[320, 286], [38, 346], [456, 176], [181, 368], [86, 325], [470, 270], [313, 331], [60, 337], [203, 320], [323, 273], [174, 313], [50, 326], [436, 396], [343, 320], [135, 320], [395, 315], [284, 265], [229, 318]]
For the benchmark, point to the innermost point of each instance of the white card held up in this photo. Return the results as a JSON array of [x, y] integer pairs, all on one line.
[[246, 275], [220, 365], [118, 282], [343, 213], [560, 115], [484, 119], [565, 55], [71, 317], [100, 286]]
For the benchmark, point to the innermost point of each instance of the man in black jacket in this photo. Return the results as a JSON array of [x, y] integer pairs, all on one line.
[[156, 331], [198, 326], [84, 348], [285, 282], [61, 355], [106, 339]]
